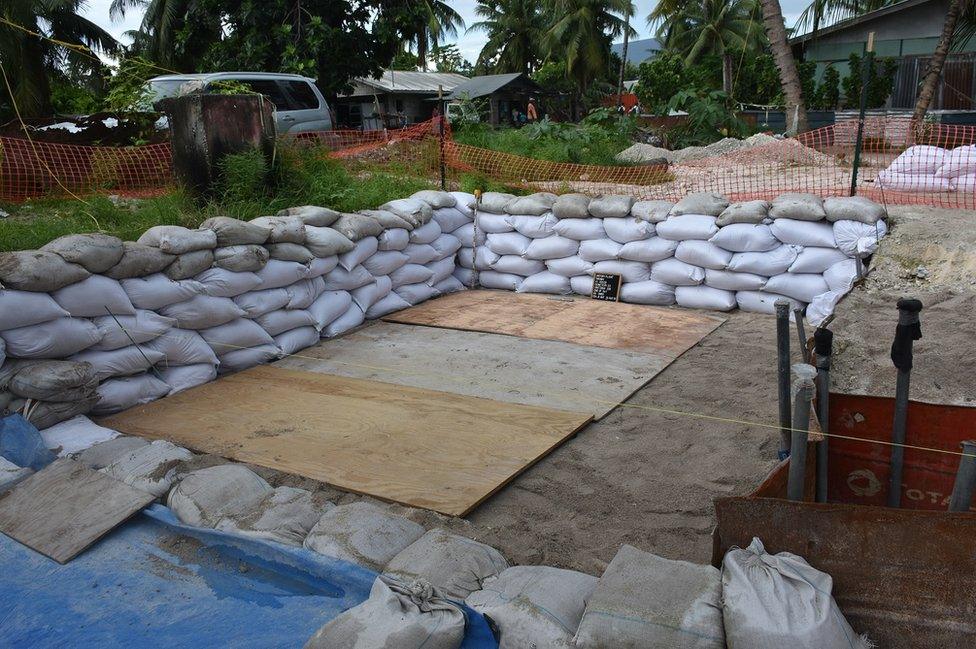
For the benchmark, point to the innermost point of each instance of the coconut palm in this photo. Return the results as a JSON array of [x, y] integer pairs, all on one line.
[[820, 13], [581, 33], [796, 111], [957, 29], [28, 60], [426, 23], [514, 29]]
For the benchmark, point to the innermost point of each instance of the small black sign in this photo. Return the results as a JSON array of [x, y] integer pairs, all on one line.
[[606, 286]]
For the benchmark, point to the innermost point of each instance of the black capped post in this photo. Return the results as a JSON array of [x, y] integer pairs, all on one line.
[[909, 330]]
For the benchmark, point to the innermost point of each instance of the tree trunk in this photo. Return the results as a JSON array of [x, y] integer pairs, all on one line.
[[930, 81], [623, 64], [727, 74], [796, 112]]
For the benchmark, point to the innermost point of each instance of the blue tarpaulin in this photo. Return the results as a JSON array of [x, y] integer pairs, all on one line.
[[154, 582]]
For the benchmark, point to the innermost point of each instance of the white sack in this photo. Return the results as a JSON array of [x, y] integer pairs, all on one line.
[[702, 253], [746, 212], [700, 203], [236, 334], [141, 467], [627, 229], [25, 308], [395, 239], [350, 319], [387, 305], [426, 233], [853, 208], [769, 263], [413, 211], [325, 242], [534, 227], [905, 182], [364, 249], [508, 243], [242, 359], [469, 237], [362, 533], [410, 274], [466, 276], [704, 297], [278, 274], [545, 282], [295, 340], [822, 306], [282, 320], [202, 497], [816, 260], [532, 205], [183, 347], [594, 250], [285, 515], [761, 302], [449, 284], [745, 237], [494, 223], [202, 312], [282, 229], [220, 282], [440, 270], [554, 247], [240, 259], [329, 306], [580, 229], [569, 266], [311, 215], [466, 203], [450, 219], [184, 377], [502, 281], [340, 279], [258, 303], [367, 296], [445, 246], [420, 253], [178, 240], [582, 284], [436, 199], [116, 395], [960, 161], [96, 253], [800, 207], [75, 435], [651, 211], [804, 233], [36, 270], [302, 293], [729, 281], [647, 292], [55, 339], [919, 159], [94, 297], [388, 219], [120, 362], [11, 474], [688, 226], [322, 265], [571, 206], [156, 291], [841, 276], [650, 250], [630, 271], [480, 258], [677, 273], [355, 227], [416, 293], [854, 237]]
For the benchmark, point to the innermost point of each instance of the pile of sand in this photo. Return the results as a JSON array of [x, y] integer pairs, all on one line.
[[641, 153]]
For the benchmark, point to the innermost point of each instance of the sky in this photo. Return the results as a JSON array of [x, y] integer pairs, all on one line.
[[468, 43]]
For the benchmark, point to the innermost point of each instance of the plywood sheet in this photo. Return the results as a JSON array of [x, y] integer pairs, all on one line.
[[65, 507], [546, 373], [418, 447], [635, 327]]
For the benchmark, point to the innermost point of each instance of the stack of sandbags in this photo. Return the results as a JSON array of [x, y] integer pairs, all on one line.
[[959, 167], [469, 236], [916, 170], [49, 392]]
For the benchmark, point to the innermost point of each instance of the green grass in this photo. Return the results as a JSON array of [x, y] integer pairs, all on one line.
[[586, 143]]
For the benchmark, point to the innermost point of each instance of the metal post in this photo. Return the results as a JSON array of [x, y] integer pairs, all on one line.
[[783, 374], [443, 127], [865, 78], [962, 490], [823, 340], [908, 331], [801, 333], [800, 433]]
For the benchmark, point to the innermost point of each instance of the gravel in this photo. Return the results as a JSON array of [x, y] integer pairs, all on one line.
[[641, 153]]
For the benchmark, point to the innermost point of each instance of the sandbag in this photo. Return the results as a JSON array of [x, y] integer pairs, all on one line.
[[822, 306], [816, 260], [594, 250], [650, 250], [853, 208], [302, 293], [580, 229], [278, 274], [502, 281], [340, 279], [647, 292], [449, 284], [410, 274], [858, 239], [426, 233], [26, 308], [746, 212], [362, 250], [322, 265], [119, 362], [220, 282], [295, 340], [534, 227], [480, 258], [494, 223], [730, 281], [581, 284], [707, 203], [772, 262], [545, 282], [367, 296], [799, 207], [571, 206], [54, 339], [351, 318], [627, 229], [395, 239], [688, 226], [803, 233], [453, 564], [54, 381], [413, 211], [104, 453], [282, 229], [677, 273], [282, 320], [465, 203], [156, 291], [285, 515], [651, 211], [234, 232], [149, 468], [177, 240], [290, 252], [362, 533], [911, 182], [389, 219], [116, 395], [799, 286], [508, 243], [919, 159], [643, 600], [495, 202], [534, 606], [241, 258], [44, 414], [704, 297], [189, 264], [531, 205], [436, 199], [745, 237], [202, 312], [773, 601], [631, 271], [312, 215], [235, 334], [440, 270], [960, 161], [242, 359], [94, 297], [202, 497], [445, 246], [569, 266], [182, 347], [611, 206], [841, 276], [420, 253], [396, 615], [355, 227], [75, 435], [554, 247], [257, 303], [184, 377], [763, 302], [325, 242], [36, 270], [416, 293], [387, 305], [96, 253], [702, 253], [450, 219]]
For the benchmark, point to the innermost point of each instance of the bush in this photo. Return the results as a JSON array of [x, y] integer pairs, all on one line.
[[710, 118], [658, 80], [881, 81], [828, 92]]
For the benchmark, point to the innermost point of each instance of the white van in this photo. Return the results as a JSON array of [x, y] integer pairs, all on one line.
[[299, 106]]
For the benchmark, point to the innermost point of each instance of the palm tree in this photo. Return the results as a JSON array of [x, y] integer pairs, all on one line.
[[514, 29], [162, 21], [427, 23], [952, 32], [827, 12], [28, 60], [796, 112], [581, 33]]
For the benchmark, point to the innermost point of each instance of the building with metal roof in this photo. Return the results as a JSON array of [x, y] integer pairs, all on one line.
[[395, 99], [504, 93]]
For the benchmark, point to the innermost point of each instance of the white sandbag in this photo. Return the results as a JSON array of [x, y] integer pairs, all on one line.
[[919, 159], [804, 233], [329, 306], [651, 249], [466, 276], [325, 242], [350, 319], [631, 271], [816, 260], [569, 266], [302, 293], [580, 229], [531, 205], [905, 182], [202, 312], [855, 238], [322, 265], [454, 564], [627, 229], [404, 616], [295, 340], [688, 226], [367, 296], [388, 219], [534, 606], [189, 264], [184, 377], [772, 262], [395, 239], [534, 227], [494, 223], [340, 279], [392, 302], [116, 395], [420, 253], [702, 253], [278, 274], [797, 206], [581, 284], [153, 292], [312, 215], [177, 240], [502, 281], [708, 203], [822, 306], [554, 247], [75, 435], [643, 600], [413, 211], [364, 249], [469, 237], [465, 203], [440, 270], [36, 270], [53, 380], [677, 273], [44, 414], [285, 516], [445, 245], [102, 454], [495, 202], [853, 208], [508, 243], [410, 274], [25, 308], [651, 211], [450, 219], [449, 284], [746, 212], [94, 297], [362, 533], [96, 253], [957, 162], [781, 601], [282, 320], [841, 276], [436, 199], [965, 183], [120, 362], [762, 302], [11, 474], [240, 259], [139, 260], [545, 282], [220, 282], [477, 258], [354, 227], [182, 347], [611, 206], [282, 229], [54, 339], [647, 292], [571, 206], [730, 281], [202, 497], [236, 334], [257, 303], [745, 237], [150, 467], [242, 359], [416, 293], [594, 250], [234, 232], [704, 297]]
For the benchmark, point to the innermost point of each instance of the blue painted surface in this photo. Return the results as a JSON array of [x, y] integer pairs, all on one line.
[[22, 444], [155, 582]]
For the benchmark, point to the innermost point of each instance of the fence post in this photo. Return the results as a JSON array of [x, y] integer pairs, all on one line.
[[443, 126], [866, 66]]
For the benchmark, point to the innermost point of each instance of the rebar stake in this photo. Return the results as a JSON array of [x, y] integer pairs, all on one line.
[[908, 331], [801, 425], [823, 340], [783, 374]]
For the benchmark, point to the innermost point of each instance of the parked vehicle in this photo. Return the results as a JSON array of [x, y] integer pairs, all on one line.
[[299, 106]]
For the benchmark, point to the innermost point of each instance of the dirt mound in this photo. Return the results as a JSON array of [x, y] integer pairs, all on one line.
[[640, 153]]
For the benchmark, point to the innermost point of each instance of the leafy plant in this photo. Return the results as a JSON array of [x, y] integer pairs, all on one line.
[[658, 80], [128, 90], [710, 118], [881, 81], [828, 92]]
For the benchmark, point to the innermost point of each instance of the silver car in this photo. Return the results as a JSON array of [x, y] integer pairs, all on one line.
[[299, 106]]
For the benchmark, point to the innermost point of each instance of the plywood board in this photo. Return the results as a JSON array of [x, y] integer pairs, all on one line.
[[547, 373], [418, 447], [65, 507], [634, 327]]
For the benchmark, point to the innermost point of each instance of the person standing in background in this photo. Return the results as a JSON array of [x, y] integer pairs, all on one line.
[[531, 112]]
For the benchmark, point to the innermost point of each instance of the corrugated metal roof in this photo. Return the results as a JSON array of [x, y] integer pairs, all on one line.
[[485, 85], [409, 81]]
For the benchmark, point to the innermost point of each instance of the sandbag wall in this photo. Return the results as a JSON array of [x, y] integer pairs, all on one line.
[[926, 168], [93, 324], [702, 252]]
